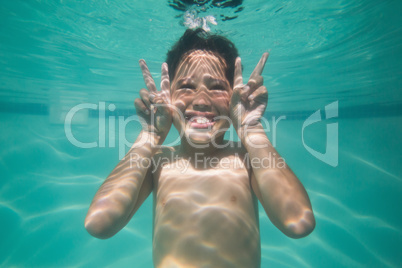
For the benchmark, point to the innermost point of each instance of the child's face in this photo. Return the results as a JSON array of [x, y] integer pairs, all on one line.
[[201, 93]]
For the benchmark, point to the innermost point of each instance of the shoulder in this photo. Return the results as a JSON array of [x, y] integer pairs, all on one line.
[[164, 151], [235, 148], [238, 154], [165, 154]]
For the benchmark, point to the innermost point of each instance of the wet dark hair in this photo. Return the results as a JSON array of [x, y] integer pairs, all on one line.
[[201, 40]]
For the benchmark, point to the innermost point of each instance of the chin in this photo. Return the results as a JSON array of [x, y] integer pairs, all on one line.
[[197, 137]]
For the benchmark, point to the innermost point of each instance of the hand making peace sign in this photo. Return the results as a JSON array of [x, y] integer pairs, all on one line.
[[153, 106], [248, 101]]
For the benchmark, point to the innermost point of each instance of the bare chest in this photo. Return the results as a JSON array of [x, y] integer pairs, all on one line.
[[204, 212], [208, 181]]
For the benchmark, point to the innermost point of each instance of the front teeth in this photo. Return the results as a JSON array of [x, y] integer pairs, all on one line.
[[200, 120]]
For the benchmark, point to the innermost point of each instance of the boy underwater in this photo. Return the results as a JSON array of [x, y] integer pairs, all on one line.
[[205, 208]]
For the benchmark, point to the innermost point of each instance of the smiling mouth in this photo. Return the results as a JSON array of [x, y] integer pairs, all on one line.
[[200, 120]]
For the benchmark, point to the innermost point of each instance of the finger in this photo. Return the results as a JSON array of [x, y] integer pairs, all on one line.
[[238, 76], [255, 82], [140, 106], [160, 107], [259, 95], [260, 66], [165, 83], [146, 97], [161, 102], [149, 81]]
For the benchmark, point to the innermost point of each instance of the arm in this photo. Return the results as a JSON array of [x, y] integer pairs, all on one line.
[[130, 183], [125, 188], [280, 192]]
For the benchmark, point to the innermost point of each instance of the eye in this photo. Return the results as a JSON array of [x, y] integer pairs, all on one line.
[[218, 87], [187, 86]]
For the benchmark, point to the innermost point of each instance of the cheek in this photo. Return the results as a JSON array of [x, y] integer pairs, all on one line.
[[178, 120], [179, 108], [222, 102], [181, 99]]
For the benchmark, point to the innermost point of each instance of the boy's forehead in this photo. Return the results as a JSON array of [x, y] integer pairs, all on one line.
[[200, 54], [204, 60]]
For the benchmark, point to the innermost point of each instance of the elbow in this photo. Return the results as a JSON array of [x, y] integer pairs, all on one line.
[[302, 227], [99, 227]]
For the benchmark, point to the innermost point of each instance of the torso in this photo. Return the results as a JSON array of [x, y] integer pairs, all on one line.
[[204, 216]]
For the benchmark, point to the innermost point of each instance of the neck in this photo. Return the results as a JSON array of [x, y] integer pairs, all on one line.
[[207, 149]]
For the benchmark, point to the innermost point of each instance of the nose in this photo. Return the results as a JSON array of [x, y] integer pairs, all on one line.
[[201, 101]]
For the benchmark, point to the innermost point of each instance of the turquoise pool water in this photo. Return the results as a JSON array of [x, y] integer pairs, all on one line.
[[58, 54]]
